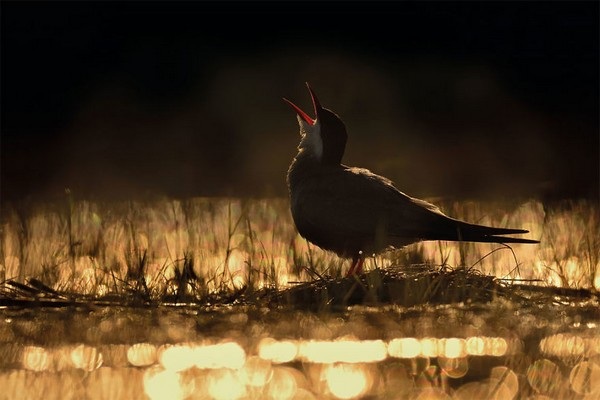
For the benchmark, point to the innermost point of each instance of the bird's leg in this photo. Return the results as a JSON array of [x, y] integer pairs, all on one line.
[[357, 264]]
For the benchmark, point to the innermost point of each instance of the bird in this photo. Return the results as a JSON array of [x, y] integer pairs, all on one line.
[[354, 212]]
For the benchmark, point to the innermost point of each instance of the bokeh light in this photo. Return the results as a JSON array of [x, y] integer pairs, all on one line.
[[141, 354], [454, 367], [225, 384], [508, 378], [347, 381], [160, 384], [404, 348], [545, 377], [348, 351], [277, 351], [585, 378], [87, 358], [256, 372], [283, 384], [36, 358]]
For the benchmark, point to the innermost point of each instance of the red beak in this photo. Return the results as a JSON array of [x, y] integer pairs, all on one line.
[[302, 114]]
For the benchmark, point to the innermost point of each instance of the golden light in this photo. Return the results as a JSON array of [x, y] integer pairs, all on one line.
[[490, 389], [237, 267], [431, 393], [223, 355], [452, 347], [508, 378], [348, 351], [177, 357], [106, 383], [497, 347], [592, 346], [283, 385], [475, 346], [163, 384], [182, 357], [346, 381], [17, 384], [256, 372], [447, 347], [563, 345], [429, 347], [277, 351], [585, 378], [454, 367], [11, 264], [225, 384], [141, 354], [87, 358], [62, 358], [404, 348], [544, 376], [36, 358]]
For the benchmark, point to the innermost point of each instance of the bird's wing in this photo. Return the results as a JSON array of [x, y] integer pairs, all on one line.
[[356, 202]]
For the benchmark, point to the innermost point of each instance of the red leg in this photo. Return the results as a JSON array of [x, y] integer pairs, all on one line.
[[357, 265]]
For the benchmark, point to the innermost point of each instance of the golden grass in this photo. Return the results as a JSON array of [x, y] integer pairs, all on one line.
[[181, 250]]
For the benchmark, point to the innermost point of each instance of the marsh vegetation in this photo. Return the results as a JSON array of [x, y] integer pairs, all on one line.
[[221, 299]]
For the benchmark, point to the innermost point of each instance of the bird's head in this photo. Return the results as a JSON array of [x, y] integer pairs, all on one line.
[[323, 137]]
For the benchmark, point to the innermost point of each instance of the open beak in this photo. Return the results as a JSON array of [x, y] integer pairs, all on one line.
[[316, 105]]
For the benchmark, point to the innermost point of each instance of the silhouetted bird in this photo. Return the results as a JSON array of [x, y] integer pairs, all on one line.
[[354, 212]]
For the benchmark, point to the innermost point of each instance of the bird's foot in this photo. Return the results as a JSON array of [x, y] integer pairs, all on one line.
[[357, 266]]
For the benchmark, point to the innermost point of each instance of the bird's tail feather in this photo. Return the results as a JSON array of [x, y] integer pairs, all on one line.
[[466, 232]]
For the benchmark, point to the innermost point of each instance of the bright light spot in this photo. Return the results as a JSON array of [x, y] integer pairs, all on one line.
[[429, 347], [283, 385], [36, 358], [277, 351], [102, 289], [87, 358], [349, 351], [475, 346], [454, 367], [544, 376], [282, 267], [183, 357], [346, 381], [237, 268], [238, 280], [225, 384], [563, 345], [256, 372], [497, 347], [163, 384], [452, 347], [223, 355], [404, 348], [141, 354], [585, 378], [177, 358]]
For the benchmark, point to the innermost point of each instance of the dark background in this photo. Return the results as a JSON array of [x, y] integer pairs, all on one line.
[[465, 100]]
